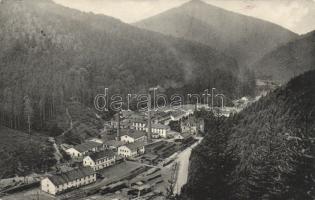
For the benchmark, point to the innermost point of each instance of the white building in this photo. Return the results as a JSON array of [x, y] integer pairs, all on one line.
[[139, 124], [160, 130], [100, 160], [131, 136], [58, 183], [83, 149], [131, 150]]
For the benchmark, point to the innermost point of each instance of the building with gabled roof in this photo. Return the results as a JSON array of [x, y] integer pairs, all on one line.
[[100, 160], [113, 144], [192, 125], [61, 182], [80, 150], [139, 124], [160, 129], [131, 136], [161, 118], [131, 149], [178, 115]]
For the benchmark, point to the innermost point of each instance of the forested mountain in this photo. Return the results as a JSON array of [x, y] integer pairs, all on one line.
[[52, 54], [245, 38], [264, 153], [21, 154], [288, 60]]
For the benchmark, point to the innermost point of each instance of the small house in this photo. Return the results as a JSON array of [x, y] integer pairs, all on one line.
[[100, 160], [131, 150]]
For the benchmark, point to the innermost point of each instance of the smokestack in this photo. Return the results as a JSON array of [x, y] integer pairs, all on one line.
[[118, 128], [149, 121]]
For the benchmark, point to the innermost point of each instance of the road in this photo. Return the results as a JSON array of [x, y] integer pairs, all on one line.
[[183, 161]]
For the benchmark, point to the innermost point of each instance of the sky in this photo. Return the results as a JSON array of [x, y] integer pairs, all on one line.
[[295, 15]]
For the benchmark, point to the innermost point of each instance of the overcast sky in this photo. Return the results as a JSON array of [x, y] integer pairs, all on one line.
[[296, 15]]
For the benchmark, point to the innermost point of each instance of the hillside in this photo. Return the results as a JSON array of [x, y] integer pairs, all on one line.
[[288, 60], [21, 154], [265, 152], [245, 38], [55, 55]]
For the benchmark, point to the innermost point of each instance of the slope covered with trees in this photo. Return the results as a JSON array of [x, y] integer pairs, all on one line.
[[21, 154], [53, 55], [288, 60], [265, 152], [244, 38]]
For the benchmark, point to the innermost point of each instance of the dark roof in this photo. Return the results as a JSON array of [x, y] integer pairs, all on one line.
[[192, 121], [86, 146], [159, 115], [135, 146], [133, 133], [160, 126], [114, 143], [66, 177], [102, 154], [139, 120], [177, 113]]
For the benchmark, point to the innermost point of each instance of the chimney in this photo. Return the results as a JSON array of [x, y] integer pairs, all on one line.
[[149, 121], [118, 128]]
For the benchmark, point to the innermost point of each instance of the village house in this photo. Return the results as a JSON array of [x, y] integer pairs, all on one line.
[[131, 149], [139, 124], [127, 120], [83, 149], [131, 136], [124, 123], [173, 134], [183, 137], [162, 118], [100, 160], [160, 130], [178, 115], [192, 125], [59, 183], [113, 144]]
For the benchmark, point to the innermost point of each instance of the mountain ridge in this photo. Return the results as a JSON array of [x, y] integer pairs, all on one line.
[[234, 34], [288, 60]]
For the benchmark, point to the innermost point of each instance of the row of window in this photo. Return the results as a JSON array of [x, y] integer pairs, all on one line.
[[87, 180], [104, 160]]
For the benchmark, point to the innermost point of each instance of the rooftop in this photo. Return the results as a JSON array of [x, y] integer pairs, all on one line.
[[66, 177], [160, 126], [133, 133], [178, 113], [135, 146], [192, 120], [86, 146], [114, 143], [101, 155]]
